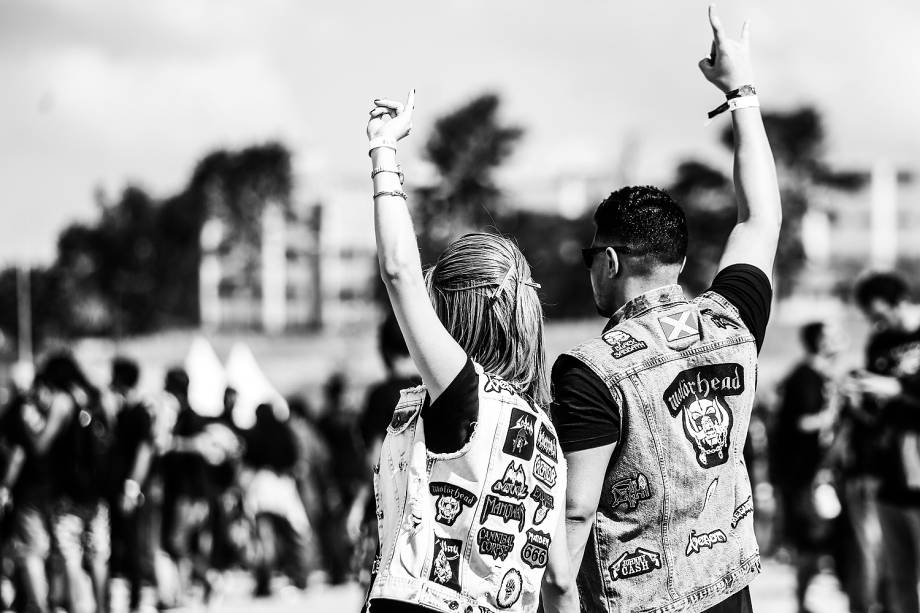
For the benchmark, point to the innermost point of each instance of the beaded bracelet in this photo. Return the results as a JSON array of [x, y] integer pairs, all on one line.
[[396, 193]]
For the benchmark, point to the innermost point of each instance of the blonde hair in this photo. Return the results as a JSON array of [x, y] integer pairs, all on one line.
[[483, 293]]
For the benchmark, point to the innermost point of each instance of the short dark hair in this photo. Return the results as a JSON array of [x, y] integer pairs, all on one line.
[[811, 334], [177, 382], [125, 373], [889, 287], [646, 221]]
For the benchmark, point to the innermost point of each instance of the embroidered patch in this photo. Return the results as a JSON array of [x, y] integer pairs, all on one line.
[[535, 552], [507, 511], [519, 438], [401, 417], [495, 383], [681, 325], [445, 566], [720, 320], [513, 483], [700, 394], [545, 504], [546, 443], [494, 543], [741, 511], [695, 541], [630, 491], [545, 472], [622, 343], [451, 501], [640, 562], [509, 592]]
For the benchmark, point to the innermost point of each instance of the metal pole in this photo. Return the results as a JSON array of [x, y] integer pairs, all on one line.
[[24, 311]]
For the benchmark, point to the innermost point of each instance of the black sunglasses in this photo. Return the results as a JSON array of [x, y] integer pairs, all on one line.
[[589, 253]]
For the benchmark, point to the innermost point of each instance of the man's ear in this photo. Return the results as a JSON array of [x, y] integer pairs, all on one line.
[[613, 262]]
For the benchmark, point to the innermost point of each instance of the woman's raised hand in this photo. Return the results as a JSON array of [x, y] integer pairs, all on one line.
[[391, 120]]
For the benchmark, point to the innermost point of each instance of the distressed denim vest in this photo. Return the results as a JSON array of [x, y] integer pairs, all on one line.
[[674, 526], [470, 531]]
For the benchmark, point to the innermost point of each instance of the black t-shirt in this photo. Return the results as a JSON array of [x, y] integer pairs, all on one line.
[[897, 354], [584, 411], [450, 419], [21, 421], [133, 427], [185, 473], [803, 394]]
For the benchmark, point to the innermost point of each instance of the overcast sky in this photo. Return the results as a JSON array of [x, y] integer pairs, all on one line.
[[100, 93]]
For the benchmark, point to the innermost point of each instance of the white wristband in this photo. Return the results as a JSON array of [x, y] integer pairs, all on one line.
[[376, 143], [744, 102]]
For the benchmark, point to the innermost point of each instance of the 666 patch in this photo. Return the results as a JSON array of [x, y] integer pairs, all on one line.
[[535, 552]]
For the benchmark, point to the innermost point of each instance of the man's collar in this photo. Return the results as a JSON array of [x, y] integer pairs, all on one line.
[[668, 294]]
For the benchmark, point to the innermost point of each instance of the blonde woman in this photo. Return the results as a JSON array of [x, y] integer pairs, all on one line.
[[471, 481]]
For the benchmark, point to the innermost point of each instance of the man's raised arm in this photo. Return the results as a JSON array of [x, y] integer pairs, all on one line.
[[754, 238]]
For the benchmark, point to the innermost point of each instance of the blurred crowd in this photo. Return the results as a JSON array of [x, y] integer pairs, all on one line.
[[111, 500]]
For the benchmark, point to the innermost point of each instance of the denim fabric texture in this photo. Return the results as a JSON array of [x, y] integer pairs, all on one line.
[[470, 531], [674, 529]]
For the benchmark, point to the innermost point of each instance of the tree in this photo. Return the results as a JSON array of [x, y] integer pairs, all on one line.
[[465, 148]]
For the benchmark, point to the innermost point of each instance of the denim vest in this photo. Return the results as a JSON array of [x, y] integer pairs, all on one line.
[[674, 526], [469, 531]]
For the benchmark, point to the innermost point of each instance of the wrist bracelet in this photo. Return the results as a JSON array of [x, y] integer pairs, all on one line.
[[397, 171], [740, 98], [395, 193], [747, 102], [378, 142]]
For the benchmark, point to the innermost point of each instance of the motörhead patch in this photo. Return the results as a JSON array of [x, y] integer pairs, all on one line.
[[622, 343], [452, 499], [699, 393], [741, 511], [545, 504], [695, 541], [519, 440], [507, 511], [513, 483], [640, 562], [509, 591], [546, 443], [445, 563], [544, 471], [535, 552], [495, 383], [629, 491], [494, 543]]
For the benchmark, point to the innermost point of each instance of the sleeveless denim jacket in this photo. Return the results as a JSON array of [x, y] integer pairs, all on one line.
[[470, 531], [674, 526]]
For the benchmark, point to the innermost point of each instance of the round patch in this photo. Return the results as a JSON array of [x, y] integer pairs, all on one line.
[[510, 589]]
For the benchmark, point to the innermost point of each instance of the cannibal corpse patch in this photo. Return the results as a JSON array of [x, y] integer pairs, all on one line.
[[513, 483], [519, 440], [445, 564], [535, 552], [695, 541], [545, 504], [507, 511], [546, 443], [699, 393], [544, 471], [452, 499], [639, 562], [629, 491], [494, 543]]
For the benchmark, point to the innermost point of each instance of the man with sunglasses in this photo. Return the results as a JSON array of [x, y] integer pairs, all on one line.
[[652, 415]]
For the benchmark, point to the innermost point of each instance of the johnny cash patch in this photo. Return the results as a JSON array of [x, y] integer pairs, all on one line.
[[535, 552], [545, 504], [695, 541], [622, 343], [699, 393], [519, 438], [629, 491], [445, 565], [494, 543], [513, 483], [640, 562], [507, 511], [544, 471], [452, 499], [509, 592], [546, 443], [741, 511]]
